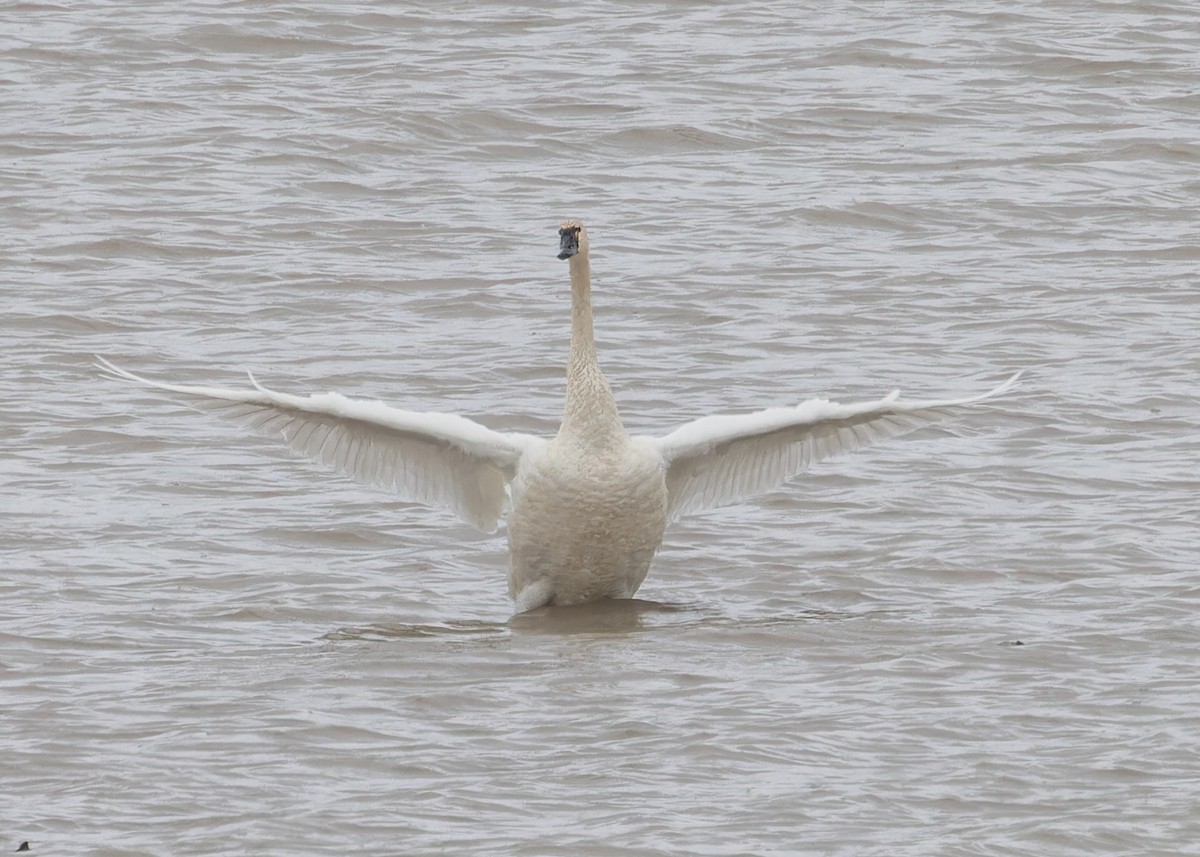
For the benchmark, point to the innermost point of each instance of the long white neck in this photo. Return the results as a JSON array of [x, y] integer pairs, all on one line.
[[591, 413]]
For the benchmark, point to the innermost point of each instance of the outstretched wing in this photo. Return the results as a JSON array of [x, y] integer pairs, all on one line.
[[718, 460], [442, 459]]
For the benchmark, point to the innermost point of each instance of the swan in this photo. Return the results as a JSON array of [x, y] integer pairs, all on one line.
[[587, 508]]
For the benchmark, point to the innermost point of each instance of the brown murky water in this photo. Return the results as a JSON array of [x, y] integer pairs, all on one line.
[[979, 640]]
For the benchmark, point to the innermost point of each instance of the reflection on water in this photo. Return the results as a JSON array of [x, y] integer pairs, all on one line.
[[605, 617], [442, 630], [609, 616]]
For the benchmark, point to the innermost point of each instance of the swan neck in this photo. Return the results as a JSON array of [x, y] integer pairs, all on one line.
[[583, 342], [591, 412]]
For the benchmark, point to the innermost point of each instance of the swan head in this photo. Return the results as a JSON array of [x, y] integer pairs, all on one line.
[[572, 239]]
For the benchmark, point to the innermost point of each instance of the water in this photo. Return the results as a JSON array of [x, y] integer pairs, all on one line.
[[978, 640]]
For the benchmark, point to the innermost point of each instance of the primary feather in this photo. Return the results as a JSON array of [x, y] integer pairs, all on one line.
[[717, 460], [442, 459]]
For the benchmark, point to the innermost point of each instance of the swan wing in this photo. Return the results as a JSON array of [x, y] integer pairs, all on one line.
[[717, 460], [442, 459]]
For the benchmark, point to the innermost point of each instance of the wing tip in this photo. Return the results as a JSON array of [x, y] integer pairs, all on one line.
[[254, 382], [108, 370], [1001, 388], [998, 390]]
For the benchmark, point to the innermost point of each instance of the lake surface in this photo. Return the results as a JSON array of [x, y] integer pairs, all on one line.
[[980, 639]]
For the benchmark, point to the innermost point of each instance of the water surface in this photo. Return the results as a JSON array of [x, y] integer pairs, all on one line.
[[978, 640]]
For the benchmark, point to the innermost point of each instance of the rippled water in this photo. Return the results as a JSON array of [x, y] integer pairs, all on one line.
[[979, 640]]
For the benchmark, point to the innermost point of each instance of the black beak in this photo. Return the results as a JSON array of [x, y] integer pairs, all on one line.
[[568, 243]]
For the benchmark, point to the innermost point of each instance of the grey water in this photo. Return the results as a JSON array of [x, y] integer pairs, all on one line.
[[980, 639]]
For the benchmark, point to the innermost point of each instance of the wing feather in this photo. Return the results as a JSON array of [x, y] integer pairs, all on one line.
[[442, 459], [717, 460]]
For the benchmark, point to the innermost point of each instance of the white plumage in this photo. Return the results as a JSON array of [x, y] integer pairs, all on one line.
[[588, 507]]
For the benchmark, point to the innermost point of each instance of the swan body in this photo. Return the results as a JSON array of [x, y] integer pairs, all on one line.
[[584, 525], [587, 509]]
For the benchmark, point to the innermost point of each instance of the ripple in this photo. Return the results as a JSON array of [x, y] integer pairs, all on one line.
[[786, 201]]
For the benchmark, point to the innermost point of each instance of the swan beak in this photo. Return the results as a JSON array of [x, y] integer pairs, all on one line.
[[568, 243]]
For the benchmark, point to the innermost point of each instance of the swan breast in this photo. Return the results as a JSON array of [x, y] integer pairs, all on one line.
[[586, 522]]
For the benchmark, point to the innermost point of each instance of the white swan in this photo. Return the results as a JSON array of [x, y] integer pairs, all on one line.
[[588, 507]]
